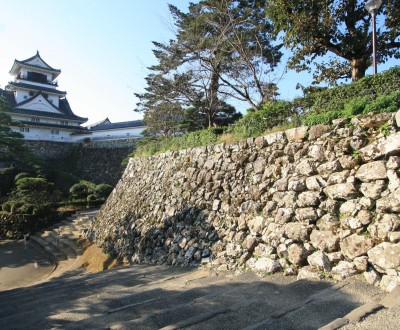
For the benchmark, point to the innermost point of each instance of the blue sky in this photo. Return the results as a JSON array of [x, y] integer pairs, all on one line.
[[101, 46]]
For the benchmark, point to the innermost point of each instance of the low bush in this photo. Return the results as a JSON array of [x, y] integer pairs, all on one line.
[[6, 207], [271, 114], [91, 198], [369, 87], [15, 207], [22, 175], [384, 103], [102, 191], [152, 146]]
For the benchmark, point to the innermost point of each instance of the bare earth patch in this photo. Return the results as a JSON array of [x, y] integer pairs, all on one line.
[[94, 259]]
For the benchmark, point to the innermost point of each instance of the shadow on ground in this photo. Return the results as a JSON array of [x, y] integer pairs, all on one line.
[[152, 297]]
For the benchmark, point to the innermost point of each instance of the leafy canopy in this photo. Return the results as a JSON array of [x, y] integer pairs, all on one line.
[[339, 29]]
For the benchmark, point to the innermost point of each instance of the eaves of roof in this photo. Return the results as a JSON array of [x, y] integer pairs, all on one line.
[[125, 124], [45, 114], [37, 88]]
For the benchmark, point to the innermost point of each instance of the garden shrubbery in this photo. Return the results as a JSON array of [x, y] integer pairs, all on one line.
[[34, 200]]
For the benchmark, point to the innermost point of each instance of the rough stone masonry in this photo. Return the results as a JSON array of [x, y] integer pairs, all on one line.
[[309, 201]]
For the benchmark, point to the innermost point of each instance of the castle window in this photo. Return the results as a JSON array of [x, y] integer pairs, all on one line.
[[35, 120], [24, 129], [25, 97], [64, 122], [37, 77], [55, 132]]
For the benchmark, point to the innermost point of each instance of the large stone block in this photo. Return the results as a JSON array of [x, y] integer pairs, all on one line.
[[372, 171], [385, 256], [324, 240], [355, 246], [378, 149], [389, 203], [297, 231], [341, 191]]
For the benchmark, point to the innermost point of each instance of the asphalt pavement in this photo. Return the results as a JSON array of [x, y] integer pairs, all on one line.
[[20, 266]]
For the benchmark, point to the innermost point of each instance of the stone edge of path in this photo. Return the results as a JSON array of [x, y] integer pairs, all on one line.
[[392, 299]]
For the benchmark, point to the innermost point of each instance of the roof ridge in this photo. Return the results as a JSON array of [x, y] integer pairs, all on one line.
[[37, 55]]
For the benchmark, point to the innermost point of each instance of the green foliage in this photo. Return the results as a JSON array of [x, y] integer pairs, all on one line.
[[385, 129], [271, 114], [27, 209], [86, 191], [33, 185], [321, 118], [22, 175], [355, 107], [11, 143], [336, 30], [62, 180], [370, 87], [15, 207], [384, 103], [102, 191], [80, 190], [377, 93], [190, 140], [91, 198], [6, 207], [36, 191]]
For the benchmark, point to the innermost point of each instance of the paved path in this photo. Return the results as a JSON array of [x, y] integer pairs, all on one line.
[[20, 267]]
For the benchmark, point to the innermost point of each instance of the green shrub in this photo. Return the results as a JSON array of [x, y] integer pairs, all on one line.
[[369, 87], [355, 107], [91, 197], [41, 210], [22, 175], [271, 114], [33, 185], [321, 118], [151, 146], [82, 189], [26, 209], [103, 190], [384, 103], [15, 207], [62, 180], [6, 207]]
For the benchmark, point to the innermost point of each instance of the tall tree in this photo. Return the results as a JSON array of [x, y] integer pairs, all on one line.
[[339, 28], [223, 49]]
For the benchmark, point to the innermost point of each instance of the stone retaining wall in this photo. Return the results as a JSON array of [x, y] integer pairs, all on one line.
[[318, 201], [98, 161]]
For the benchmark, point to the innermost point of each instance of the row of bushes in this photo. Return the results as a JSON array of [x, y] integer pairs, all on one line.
[[36, 195]]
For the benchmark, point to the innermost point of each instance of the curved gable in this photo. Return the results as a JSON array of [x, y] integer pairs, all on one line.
[[39, 103]]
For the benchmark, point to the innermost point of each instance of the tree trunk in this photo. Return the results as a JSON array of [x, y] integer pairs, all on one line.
[[213, 94], [358, 68]]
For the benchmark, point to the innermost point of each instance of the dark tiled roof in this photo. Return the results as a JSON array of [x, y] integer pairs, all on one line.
[[37, 88], [124, 124], [64, 108], [74, 128], [25, 62]]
